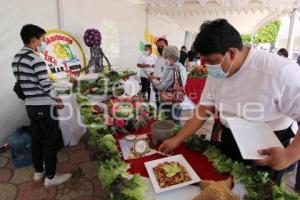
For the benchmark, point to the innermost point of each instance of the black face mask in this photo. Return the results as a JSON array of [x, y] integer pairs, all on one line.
[[160, 50]]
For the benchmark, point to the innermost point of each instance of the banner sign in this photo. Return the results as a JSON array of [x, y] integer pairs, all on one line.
[[63, 54]]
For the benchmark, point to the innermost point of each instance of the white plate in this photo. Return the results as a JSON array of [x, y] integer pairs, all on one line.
[[252, 136], [87, 77], [178, 158]]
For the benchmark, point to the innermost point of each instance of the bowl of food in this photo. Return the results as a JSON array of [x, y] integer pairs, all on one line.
[[162, 130]]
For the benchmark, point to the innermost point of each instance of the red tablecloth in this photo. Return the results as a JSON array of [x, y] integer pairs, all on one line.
[[194, 88], [198, 162]]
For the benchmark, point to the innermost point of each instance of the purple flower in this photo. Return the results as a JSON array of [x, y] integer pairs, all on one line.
[[92, 37]]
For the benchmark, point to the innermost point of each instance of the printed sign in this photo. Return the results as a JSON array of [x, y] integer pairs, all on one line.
[[63, 54]]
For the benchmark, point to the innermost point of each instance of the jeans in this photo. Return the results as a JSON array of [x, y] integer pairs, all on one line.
[[297, 183], [46, 138], [146, 90]]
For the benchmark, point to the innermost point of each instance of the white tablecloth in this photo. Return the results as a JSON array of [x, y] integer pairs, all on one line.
[[70, 121]]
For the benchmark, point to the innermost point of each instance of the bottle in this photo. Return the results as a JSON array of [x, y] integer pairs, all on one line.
[[20, 142]]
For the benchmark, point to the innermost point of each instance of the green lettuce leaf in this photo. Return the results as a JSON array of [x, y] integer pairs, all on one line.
[[136, 188], [109, 170]]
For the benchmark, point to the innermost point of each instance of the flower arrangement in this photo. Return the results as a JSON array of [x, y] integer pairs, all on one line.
[[92, 37], [111, 116], [199, 71], [112, 170], [127, 113]]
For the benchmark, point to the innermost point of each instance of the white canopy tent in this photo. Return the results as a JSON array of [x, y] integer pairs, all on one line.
[[283, 34], [122, 23], [246, 15]]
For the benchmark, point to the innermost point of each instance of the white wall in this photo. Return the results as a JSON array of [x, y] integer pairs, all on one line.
[[14, 14], [129, 19], [160, 26], [79, 15]]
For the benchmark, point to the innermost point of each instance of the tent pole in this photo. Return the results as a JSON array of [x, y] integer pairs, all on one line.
[[147, 22], [252, 36], [60, 14], [290, 44]]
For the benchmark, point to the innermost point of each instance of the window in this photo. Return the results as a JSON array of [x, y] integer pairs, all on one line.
[[110, 41]]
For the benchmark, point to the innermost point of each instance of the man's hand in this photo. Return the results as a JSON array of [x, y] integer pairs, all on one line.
[[169, 145], [151, 77], [72, 79], [58, 103], [276, 157]]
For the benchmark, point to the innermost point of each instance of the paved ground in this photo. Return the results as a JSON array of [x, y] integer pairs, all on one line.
[[289, 179], [84, 185]]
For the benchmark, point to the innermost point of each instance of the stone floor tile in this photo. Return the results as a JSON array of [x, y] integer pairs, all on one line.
[[5, 174], [79, 156], [88, 169], [22, 175], [8, 191], [3, 160], [35, 190], [75, 188]]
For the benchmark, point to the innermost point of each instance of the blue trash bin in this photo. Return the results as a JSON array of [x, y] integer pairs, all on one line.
[[20, 142]]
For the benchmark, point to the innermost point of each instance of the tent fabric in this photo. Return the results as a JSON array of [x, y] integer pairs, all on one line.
[[121, 23], [246, 15], [282, 4], [13, 15]]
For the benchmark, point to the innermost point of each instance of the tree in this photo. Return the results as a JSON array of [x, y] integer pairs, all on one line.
[[246, 38], [266, 34]]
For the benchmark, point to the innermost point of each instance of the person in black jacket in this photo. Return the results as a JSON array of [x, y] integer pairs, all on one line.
[[183, 55]]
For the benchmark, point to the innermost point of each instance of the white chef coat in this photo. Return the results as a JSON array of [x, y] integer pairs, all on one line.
[[149, 60], [266, 88]]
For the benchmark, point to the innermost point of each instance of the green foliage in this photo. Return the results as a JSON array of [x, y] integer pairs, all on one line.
[[257, 183], [280, 193], [177, 128], [246, 38], [197, 143], [136, 188], [121, 196], [266, 34], [109, 170]]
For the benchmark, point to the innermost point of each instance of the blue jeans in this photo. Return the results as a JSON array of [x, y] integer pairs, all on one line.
[[297, 183]]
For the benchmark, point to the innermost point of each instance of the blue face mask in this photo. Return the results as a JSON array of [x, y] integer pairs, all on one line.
[[216, 70], [42, 47]]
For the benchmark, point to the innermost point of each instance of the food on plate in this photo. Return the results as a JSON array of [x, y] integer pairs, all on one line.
[[212, 190], [170, 173]]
